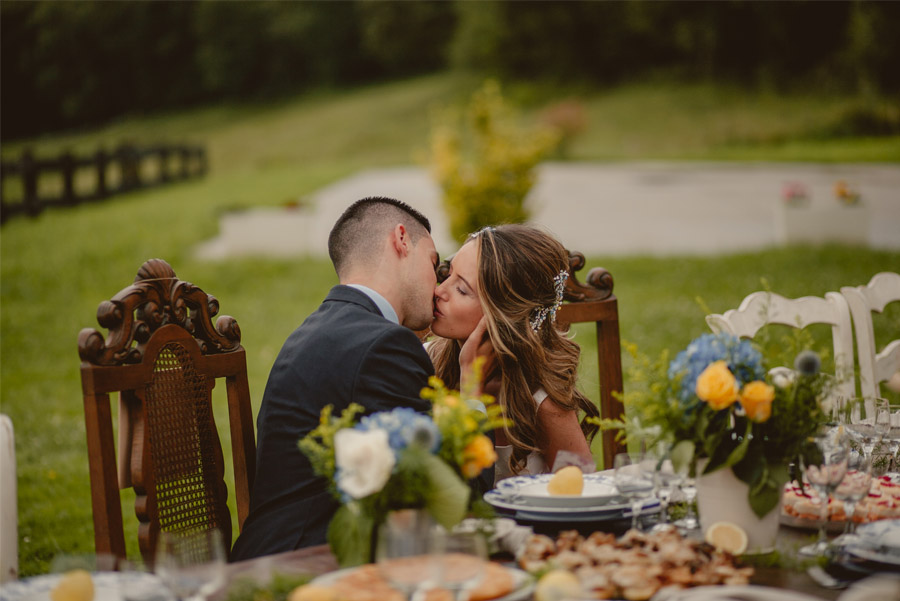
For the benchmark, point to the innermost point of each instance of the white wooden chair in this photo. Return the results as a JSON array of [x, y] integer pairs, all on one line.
[[762, 308], [875, 366], [9, 531]]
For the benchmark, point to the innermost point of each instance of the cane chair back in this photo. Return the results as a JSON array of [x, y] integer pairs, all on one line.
[[594, 302], [875, 366], [163, 356], [763, 308]]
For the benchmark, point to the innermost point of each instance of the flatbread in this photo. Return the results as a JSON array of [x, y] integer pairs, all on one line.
[[367, 583]]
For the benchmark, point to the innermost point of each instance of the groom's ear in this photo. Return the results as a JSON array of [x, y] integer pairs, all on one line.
[[400, 241]]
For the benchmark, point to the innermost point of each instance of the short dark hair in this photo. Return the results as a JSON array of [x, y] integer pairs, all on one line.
[[362, 226]]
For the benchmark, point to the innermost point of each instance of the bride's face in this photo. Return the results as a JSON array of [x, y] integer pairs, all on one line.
[[457, 309]]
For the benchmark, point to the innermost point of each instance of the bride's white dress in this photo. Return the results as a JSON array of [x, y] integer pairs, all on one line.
[[535, 463]]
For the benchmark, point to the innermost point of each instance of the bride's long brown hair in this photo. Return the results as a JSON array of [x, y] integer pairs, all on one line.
[[517, 265]]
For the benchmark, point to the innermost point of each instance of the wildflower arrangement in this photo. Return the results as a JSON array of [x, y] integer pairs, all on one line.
[[718, 401], [400, 459]]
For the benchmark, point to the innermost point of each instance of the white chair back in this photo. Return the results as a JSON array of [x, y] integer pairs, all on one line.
[[9, 521], [762, 308], [875, 366]]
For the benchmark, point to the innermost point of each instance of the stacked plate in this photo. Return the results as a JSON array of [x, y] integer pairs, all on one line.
[[878, 541], [526, 498]]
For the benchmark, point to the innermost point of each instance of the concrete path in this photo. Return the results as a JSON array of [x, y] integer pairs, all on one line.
[[617, 209]]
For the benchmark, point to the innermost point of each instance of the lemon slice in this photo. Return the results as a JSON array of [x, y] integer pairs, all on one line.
[[567, 481], [76, 585], [728, 537], [557, 585]]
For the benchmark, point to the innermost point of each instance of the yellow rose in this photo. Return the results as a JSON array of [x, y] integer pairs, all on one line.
[[756, 399], [479, 454], [717, 386]]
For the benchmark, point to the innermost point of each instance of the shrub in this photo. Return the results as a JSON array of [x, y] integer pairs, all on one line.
[[485, 162]]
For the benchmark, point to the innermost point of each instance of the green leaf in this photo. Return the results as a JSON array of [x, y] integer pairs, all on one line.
[[350, 535], [682, 454], [446, 496], [739, 451]]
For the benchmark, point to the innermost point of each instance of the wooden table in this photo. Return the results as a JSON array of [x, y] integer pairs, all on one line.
[[319, 560]]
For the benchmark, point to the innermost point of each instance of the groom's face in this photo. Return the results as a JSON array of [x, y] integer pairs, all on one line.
[[421, 284]]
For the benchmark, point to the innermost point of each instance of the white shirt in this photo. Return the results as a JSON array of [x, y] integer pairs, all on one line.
[[383, 305]]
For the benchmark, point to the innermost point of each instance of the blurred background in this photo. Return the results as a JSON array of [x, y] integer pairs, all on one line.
[[723, 117]]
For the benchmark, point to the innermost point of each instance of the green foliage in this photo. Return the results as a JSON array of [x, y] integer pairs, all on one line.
[[278, 588], [318, 445], [486, 165]]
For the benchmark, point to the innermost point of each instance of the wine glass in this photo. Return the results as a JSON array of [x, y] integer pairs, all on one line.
[[688, 487], [405, 540], [888, 426], [461, 560], [858, 415], [664, 480], [853, 489], [824, 464], [634, 481], [191, 564]]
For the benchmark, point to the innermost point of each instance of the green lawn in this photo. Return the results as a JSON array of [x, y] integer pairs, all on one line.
[[56, 269]]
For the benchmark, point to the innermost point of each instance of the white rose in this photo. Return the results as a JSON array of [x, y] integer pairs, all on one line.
[[364, 461], [782, 377]]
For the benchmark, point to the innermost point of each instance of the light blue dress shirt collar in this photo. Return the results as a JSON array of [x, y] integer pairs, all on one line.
[[385, 307]]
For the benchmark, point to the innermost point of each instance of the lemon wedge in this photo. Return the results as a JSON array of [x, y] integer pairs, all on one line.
[[728, 537], [567, 481], [557, 585], [313, 592], [76, 585]]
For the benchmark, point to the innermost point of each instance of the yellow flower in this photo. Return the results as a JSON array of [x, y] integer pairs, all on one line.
[[717, 386], [756, 399], [478, 454]]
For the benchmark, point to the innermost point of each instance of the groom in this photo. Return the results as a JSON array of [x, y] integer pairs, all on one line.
[[358, 347]]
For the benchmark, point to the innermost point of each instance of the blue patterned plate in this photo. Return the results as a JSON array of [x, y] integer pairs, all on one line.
[[882, 536]]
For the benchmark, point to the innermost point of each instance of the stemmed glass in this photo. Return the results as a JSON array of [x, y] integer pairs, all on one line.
[[404, 539], [853, 489], [888, 425], [688, 486], [191, 564], [824, 465], [461, 558], [859, 416], [634, 479], [664, 479]]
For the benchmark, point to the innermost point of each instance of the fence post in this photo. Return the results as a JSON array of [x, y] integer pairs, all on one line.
[[130, 166], [29, 183], [67, 166], [101, 161], [164, 164]]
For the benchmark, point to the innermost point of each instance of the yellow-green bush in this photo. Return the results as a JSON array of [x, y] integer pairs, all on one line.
[[485, 162]]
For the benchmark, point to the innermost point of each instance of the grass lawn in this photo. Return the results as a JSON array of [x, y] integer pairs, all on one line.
[[55, 269]]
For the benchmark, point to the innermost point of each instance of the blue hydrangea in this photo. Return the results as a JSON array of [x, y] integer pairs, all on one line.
[[404, 425], [744, 361]]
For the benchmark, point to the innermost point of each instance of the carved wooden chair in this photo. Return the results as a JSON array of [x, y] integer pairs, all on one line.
[[875, 366], [594, 301], [163, 356], [762, 308]]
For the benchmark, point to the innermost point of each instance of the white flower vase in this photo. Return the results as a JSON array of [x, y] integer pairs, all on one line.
[[722, 497]]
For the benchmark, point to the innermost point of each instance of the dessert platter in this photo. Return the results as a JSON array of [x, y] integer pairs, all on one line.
[[801, 507]]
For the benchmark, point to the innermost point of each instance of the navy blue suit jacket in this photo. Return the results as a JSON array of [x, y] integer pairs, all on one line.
[[346, 352]]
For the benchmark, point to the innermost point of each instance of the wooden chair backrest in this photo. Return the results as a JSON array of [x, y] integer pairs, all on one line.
[[875, 366], [762, 308], [594, 301], [163, 356]]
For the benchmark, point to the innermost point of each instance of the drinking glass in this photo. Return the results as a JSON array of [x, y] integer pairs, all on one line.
[[859, 417], [634, 479], [664, 480], [824, 464], [461, 559], [889, 418], [853, 489], [688, 487], [405, 540], [191, 564]]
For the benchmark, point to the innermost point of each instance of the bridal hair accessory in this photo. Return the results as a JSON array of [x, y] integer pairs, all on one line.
[[539, 315]]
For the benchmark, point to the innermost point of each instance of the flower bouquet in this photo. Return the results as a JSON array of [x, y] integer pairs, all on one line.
[[400, 459], [717, 406]]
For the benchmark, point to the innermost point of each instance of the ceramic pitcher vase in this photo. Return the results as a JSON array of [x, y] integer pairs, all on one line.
[[722, 497]]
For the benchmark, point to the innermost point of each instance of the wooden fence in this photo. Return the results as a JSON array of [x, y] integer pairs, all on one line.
[[78, 179]]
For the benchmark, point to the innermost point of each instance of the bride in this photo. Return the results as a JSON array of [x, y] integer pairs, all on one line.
[[501, 294]]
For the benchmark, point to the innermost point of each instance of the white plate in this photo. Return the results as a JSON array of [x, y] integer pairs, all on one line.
[[523, 583], [873, 555], [532, 490], [108, 586], [883, 535], [612, 510], [750, 592]]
